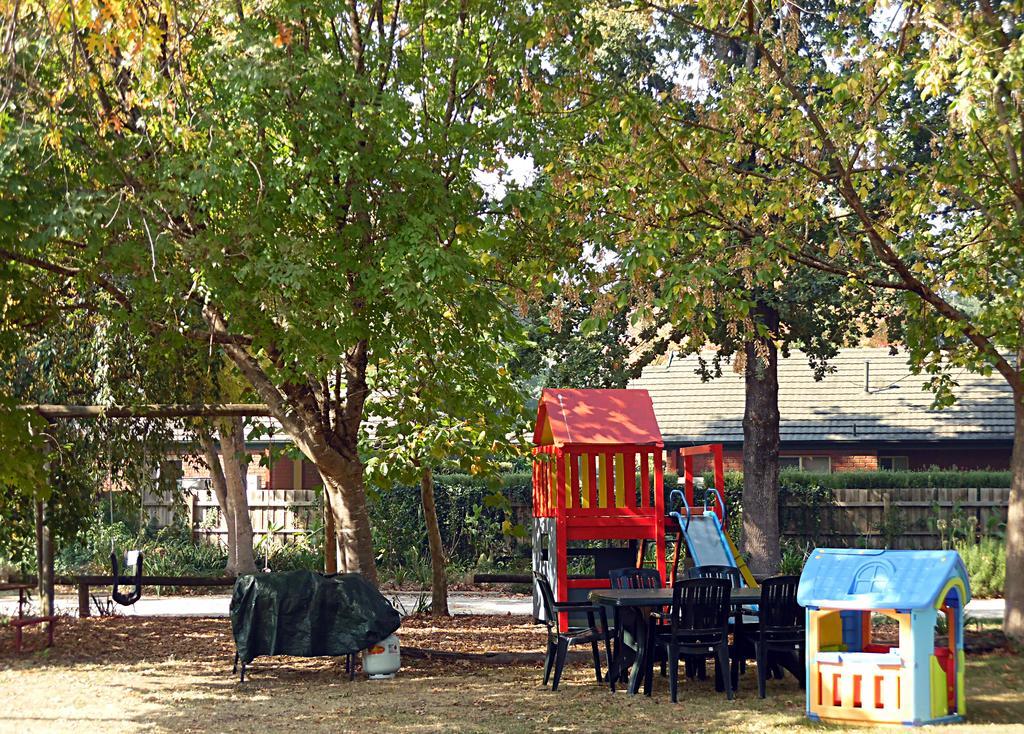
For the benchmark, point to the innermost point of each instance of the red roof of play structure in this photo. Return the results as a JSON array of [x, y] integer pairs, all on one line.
[[597, 417]]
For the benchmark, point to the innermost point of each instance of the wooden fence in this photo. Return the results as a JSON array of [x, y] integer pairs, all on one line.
[[909, 517], [894, 518], [283, 514]]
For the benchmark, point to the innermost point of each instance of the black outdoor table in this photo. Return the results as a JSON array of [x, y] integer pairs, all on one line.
[[654, 598]]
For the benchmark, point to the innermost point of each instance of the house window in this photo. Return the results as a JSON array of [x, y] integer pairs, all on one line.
[[810, 464], [893, 463]]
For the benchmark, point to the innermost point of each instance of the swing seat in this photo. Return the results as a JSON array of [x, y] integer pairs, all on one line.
[[132, 558]]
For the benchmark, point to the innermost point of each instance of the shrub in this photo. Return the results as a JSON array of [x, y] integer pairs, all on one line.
[[475, 516], [297, 556], [809, 496], [863, 480], [169, 551], [986, 566], [794, 556]]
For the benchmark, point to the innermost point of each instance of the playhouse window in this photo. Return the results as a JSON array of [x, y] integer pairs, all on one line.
[[872, 578], [885, 632]]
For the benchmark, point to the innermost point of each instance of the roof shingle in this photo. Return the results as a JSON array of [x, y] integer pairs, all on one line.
[[894, 406]]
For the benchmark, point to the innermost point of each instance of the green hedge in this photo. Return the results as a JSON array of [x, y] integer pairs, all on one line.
[[869, 479], [474, 515], [898, 479], [810, 496]]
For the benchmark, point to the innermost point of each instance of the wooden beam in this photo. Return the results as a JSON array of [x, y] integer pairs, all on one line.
[[84, 582], [209, 410]]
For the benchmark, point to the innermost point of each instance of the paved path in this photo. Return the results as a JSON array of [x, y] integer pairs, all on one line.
[[462, 602], [216, 605], [987, 608]]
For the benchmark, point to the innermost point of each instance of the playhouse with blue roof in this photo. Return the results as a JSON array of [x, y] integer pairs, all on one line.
[[854, 677]]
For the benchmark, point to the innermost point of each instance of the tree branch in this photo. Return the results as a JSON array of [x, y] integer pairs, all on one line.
[[879, 244]]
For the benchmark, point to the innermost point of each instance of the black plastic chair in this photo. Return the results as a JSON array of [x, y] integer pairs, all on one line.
[[560, 642], [698, 627], [635, 578], [780, 628], [729, 573], [629, 578], [733, 576]]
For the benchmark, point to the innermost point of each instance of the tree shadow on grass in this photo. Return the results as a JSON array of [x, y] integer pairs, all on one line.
[[175, 676]]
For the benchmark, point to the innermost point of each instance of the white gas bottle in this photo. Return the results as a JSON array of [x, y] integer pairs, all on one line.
[[383, 659]]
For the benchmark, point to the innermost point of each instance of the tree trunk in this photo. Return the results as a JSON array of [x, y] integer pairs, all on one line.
[[220, 489], [761, 452], [343, 482], [232, 445], [330, 535], [1013, 622], [333, 449], [439, 576]]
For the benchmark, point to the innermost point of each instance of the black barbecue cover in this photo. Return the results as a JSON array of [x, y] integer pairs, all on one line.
[[308, 614]]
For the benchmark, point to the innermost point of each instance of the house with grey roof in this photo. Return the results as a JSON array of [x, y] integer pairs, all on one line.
[[871, 413]]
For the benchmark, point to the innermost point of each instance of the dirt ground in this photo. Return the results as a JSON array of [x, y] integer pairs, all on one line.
[[174, 675]]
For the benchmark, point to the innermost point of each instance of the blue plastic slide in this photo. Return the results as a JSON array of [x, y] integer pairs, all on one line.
[[706, 541]]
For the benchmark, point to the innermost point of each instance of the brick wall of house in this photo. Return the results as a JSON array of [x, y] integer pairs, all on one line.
[[841, 460], [194, 469], [731, 460], [860, 461], [280, 476]]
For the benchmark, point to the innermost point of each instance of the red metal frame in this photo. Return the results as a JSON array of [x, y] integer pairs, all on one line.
[[715, 450], [23, 620]]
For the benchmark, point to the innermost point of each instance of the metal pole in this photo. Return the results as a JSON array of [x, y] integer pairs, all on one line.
[[47, 542], [41, 588], [44, 541]]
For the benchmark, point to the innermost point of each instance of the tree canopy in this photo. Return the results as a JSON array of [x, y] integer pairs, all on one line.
[[295, 185], [876, 143]]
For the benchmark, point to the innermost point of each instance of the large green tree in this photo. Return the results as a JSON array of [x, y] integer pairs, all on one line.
[[458, 407], [561, 353], [895, 131], [293, 184], [617, 164]]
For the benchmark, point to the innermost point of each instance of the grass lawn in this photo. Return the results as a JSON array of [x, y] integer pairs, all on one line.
[[173, 675]]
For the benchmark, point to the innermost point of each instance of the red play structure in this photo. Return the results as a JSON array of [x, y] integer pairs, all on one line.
[[714, 450], [598, 475]]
